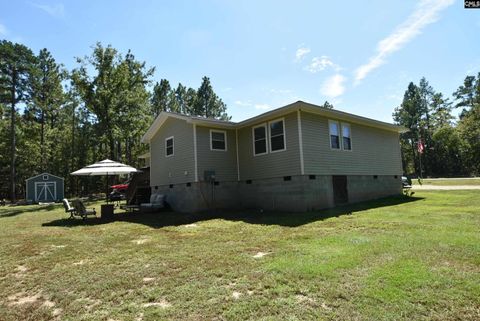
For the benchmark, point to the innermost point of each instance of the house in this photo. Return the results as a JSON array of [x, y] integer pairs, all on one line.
[[44, 188], [298, 157]]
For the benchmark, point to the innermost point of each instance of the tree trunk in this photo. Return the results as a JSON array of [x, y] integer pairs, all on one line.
[[119, 151], [12, 131], [72, 153], [111, 143], [413, 155], [42, 141]]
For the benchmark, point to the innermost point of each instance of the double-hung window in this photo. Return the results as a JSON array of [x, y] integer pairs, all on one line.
[[334, 135], [218, 140], [169, 146], [260, 140], [277, 135], [346, 137]]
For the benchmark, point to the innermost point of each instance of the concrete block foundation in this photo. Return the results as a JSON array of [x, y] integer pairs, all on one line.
[[290, 193]]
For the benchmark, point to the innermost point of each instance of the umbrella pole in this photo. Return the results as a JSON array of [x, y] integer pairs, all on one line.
[[106, 193]]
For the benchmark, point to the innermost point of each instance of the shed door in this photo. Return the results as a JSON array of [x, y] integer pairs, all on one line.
[[45, 191], [340, 191]]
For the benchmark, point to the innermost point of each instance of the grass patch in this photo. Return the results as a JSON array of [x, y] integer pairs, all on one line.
[[448, 182], [391, 259]]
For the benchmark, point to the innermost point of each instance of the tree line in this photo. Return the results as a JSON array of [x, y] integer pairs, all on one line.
[[57, 120], [437, 143]]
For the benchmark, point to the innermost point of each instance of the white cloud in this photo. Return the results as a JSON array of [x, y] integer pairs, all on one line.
[[426, 12], [3, 30], [333, 86], [300, 53], [280, 91], [263, 106], [243, 103], [321, 63], [57, 10]]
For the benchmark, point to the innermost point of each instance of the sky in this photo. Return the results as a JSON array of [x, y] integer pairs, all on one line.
[[262, 54]]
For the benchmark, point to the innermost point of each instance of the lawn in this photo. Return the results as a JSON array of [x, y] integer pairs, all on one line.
[[393, 259], [448, 181]]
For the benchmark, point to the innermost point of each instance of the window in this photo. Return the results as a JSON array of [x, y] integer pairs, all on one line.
[[260, 140], [169, 146], [218, 140], [277, 136], [346, 137], [334, 135], [45, 177]]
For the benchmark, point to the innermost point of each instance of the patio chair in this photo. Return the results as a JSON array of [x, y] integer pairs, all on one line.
[[81, 210], [68, 208], [157, 201]]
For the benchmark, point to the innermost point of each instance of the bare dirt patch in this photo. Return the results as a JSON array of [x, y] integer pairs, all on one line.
[[20, 271], [191, 225], [141, 241], [81, 262], [147, 280], [22, 298], [259, 255], [162, 304], [48, 304], [303, 298]]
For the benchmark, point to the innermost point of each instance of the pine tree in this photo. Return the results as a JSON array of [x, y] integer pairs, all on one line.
[[47, 98], [408, 114], [161, 97], [327, 105], [208, 104], [16, 65]]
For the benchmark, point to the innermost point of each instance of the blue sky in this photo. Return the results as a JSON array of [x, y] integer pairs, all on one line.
[[260, 55]]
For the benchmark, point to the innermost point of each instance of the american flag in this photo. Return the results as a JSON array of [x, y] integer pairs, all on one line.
[[420, 146]]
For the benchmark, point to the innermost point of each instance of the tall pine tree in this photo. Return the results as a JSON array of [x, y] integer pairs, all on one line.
[[16, 65]]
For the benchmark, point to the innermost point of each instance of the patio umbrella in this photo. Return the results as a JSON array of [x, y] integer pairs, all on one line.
[[105, 168]]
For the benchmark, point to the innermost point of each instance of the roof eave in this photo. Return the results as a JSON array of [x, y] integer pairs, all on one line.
[[340, 115]]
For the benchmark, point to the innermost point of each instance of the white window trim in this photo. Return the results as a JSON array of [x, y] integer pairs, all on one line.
[[284, 135], [339, 135], [224, 135], [351, 140], [264, 125], [300, 142], [173, 146]]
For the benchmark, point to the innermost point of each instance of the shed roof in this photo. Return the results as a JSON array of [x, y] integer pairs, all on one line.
[[44, 173], [298, 105]]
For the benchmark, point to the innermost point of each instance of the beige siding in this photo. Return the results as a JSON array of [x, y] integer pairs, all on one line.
[[284, 163], [179, 168], [224, 163], [374, 151]]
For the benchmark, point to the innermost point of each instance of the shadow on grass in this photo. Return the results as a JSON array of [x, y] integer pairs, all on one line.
[[169, 218], [10, 211]]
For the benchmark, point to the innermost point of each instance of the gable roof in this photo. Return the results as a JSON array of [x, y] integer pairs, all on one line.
[[44, 173], [298, 105]]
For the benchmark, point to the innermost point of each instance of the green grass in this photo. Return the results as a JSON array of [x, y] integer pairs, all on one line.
[[448, 182], [392, 259]]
